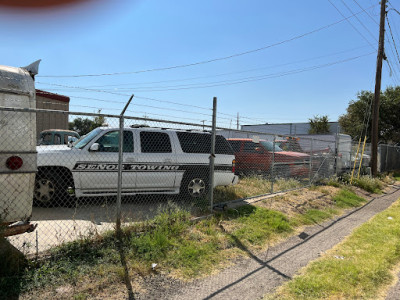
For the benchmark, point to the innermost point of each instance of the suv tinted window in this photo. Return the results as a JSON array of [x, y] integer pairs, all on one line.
[[192, 142], [155, 142], [109, 142]]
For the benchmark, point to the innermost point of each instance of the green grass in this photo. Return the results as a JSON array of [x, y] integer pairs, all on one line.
[[368, 257], [315, 216], [256, 225], [347, 199]]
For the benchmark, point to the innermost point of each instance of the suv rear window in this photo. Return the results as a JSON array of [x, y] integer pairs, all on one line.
[[192, 142]]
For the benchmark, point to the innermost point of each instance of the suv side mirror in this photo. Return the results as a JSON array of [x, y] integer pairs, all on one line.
[[94, 147]]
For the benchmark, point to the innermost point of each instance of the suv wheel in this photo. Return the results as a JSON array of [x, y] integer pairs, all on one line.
[[194, 186], [51, 190]]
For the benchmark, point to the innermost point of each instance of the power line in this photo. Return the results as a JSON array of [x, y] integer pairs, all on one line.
[[228, 82], [120, 94], [388, 41], [366, 12], [351, 24], [391, 34], [215, 59], [362, 24], [232, 73]]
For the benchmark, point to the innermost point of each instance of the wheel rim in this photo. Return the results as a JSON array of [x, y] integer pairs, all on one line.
[[196, 187], [44, 190]]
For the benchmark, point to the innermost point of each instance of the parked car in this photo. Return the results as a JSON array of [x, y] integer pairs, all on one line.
[[155, 161], [17, 148], [58, 137], [256, 157]]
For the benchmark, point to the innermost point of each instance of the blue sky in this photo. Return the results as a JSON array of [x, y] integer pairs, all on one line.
[[317, 74]]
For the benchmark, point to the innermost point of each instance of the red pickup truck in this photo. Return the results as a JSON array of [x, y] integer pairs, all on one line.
[[256, 158]]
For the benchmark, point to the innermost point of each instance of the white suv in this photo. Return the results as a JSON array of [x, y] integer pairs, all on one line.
[[155, 161]]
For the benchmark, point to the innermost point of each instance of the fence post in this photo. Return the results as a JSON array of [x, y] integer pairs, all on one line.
[[311, 156], [212, 154], [336, 153], [120, 165], [386, 158], [273, 166]]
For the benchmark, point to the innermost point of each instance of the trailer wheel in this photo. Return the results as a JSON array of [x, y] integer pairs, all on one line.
[[51, 189]]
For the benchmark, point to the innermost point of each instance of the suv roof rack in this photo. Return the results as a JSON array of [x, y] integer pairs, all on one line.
[[138, 125]]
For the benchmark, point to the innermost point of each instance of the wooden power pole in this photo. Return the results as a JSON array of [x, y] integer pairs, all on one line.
[[375, 111]]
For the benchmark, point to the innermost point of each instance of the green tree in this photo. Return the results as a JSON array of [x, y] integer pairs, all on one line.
[[319, 125], [85, 125], [357, 120]]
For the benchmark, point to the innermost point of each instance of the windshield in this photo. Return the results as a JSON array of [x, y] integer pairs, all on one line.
[[84, 140], [270, 146]]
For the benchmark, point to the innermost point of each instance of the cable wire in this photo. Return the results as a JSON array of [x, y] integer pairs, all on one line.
[[214, 59], [227, 82], [351, 24]]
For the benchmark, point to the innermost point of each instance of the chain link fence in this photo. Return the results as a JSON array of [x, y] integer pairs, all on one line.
[[163, 163], [389, 158], [76, 184]]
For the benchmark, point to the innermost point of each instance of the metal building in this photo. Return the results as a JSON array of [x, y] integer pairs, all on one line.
[[45, 120]]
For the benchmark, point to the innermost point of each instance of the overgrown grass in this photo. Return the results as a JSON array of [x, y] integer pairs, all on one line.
[[345, 198], [247, 187], [253, 186], [367, 183], [358, 268], [286, 184], [371, 185], [180, 247], [171, 240], [332, 181]]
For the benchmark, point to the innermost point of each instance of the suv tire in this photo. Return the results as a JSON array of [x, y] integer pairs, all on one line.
[[51, 190], [194, 185]]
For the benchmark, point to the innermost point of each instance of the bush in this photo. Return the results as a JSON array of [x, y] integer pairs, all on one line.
[[371, 185]]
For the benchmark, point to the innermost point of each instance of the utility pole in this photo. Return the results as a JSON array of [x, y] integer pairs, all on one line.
[[378, 79], [237, 122]]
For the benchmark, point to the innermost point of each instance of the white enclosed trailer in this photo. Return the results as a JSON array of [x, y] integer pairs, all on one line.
[[18, 157]]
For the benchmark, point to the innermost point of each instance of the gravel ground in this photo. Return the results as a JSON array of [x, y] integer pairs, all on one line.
[[261, 274], [394, 292]]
